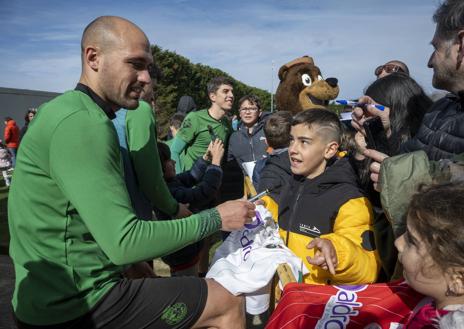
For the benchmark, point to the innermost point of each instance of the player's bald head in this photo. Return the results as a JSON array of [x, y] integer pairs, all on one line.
[[108, 32]]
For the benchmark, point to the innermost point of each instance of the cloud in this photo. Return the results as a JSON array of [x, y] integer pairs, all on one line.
[[348, 39]]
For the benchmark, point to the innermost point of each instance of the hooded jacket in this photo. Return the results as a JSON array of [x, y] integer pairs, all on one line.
[[274, 173], [245, 147], [186, 105], [331, 206], [11, 134]]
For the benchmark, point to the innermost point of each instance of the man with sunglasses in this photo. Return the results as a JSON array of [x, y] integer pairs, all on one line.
[[391, 67], [248, 142]]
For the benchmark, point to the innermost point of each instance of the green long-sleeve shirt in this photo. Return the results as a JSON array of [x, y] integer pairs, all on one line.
[[71, 222], [144, 172], [193, 138]]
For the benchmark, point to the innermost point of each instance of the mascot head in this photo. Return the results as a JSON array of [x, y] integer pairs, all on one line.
[[302, 87]]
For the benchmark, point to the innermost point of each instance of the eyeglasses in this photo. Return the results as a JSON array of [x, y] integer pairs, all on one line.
[[248, 109], [388, 68]]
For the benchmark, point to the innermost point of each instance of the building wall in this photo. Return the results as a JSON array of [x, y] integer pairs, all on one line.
[[15, 102]]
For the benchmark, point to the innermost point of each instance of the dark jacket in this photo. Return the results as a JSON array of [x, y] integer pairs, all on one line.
[[245, 147], [198, 187], [272, 173], [441, 134], [330, 206]]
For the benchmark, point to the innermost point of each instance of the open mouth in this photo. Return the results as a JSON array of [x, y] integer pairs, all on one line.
[[295, 161], [317, 101]]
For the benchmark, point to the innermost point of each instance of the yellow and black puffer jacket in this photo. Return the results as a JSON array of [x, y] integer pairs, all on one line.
[[331, 206]]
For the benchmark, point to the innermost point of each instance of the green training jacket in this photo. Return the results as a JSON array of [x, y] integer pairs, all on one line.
[[71, 223]]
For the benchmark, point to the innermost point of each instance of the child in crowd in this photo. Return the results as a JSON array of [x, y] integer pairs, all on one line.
[[272, 172], [432, 253], [431, 294], [197, 187], [324, 217]]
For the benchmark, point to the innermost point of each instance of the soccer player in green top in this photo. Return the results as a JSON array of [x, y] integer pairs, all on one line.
[[200, 127], [73, 230]]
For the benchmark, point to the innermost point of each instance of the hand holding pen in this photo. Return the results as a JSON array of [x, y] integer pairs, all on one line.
[[354, 104], [361, 114]]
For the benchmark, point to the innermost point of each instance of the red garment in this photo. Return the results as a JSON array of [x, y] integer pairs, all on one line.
[[425, 318], [11, 134], [380, 305]]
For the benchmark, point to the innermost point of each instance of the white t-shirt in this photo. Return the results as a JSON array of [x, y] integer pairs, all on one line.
[[247, 260]]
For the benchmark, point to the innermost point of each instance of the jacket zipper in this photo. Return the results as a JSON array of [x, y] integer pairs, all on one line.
[[300, 190]]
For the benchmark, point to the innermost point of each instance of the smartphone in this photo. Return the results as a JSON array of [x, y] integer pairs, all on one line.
[[376, 138], [211, 133]]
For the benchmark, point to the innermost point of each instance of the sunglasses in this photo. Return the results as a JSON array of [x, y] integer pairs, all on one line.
[[388, 68]]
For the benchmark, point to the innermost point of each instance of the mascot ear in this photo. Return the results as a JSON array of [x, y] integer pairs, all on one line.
[[301, 60], [283, 72]]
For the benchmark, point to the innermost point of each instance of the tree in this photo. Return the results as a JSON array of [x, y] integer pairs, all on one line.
[[178, 76]]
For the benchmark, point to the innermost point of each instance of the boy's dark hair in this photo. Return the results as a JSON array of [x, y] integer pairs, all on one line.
[[435, 213], [277, 129], [8, 119], [176, 120], [449, 18], [253, 99], [325, 120], [164, 153], [214, 84]]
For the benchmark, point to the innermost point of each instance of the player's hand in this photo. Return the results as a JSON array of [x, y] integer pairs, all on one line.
[[325, 255], [235, 214]]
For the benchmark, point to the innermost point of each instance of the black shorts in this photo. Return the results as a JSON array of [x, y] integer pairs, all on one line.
[[144, 303]]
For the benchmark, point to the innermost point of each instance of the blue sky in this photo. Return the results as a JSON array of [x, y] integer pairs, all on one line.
[[248, 39]]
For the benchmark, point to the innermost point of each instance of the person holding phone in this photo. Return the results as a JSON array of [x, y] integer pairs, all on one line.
[[440, 137], [406, 104]]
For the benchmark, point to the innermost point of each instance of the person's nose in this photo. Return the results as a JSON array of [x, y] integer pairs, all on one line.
[[144, 77], [292, 149], [429, 63], [399, 243]]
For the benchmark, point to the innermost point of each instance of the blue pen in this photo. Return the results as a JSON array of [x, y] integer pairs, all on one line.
[[353, 104]]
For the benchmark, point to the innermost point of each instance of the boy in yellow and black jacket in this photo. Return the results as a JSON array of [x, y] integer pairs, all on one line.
[[324, 217]]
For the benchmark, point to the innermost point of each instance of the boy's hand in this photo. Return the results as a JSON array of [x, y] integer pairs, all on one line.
[[325, 255], [207, 155], [216, 150], [183, 211]]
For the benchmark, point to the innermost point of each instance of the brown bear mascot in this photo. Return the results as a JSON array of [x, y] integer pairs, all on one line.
[[302, 87]]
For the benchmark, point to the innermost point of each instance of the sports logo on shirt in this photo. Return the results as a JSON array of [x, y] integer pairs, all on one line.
[[341, 307]]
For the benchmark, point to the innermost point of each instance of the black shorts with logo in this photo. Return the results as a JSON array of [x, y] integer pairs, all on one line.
[[155, 303]]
